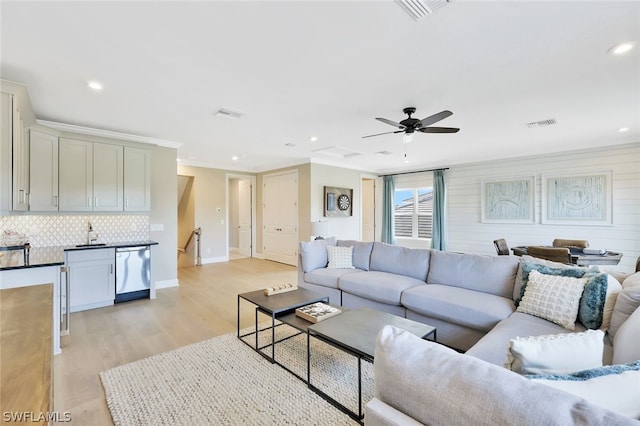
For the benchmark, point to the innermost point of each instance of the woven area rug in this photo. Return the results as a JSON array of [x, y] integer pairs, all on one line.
[[224, 382]]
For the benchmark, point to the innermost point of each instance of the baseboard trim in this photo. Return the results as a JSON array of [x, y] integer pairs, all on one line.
[[167, 283], [215, 259]]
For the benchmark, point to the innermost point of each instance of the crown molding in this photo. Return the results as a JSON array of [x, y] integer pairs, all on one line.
[[109, 134]]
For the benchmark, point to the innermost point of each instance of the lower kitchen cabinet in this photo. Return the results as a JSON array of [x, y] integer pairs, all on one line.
[[91, 278]]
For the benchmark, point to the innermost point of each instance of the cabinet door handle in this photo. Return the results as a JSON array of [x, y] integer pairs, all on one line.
[[55, 201], [126, 202], [95, 201], [89, 201], [21, 192], [111, 268]]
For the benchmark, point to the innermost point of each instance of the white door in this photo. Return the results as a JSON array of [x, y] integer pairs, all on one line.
[[280, 216], [368, 209], [244, 217]]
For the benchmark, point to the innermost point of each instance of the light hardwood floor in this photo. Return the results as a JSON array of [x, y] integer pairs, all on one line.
[[202, 307]]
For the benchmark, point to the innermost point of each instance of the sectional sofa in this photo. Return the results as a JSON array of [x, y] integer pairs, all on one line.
[[472, 300]]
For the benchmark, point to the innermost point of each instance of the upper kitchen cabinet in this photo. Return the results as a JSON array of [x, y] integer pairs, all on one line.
[[137, 179], [107, 177], [91, 176], [20, 155], [43, 171], [76, 175], [6, 137]]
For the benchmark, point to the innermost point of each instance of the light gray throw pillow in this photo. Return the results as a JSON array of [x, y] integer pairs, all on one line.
[[314, 253]]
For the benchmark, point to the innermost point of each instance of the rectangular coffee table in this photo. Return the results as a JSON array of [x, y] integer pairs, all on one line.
[[355, 332], [279, 307]]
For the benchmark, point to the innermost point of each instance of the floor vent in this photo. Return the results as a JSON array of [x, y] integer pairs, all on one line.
[[542, 123]]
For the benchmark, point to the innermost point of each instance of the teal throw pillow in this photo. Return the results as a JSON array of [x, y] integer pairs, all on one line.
[[588, 374], [591, 309]]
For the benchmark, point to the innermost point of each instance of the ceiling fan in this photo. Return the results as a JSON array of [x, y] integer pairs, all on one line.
[[410, 125]]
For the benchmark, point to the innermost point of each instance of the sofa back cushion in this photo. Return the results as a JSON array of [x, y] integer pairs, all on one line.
[[361, 252], [400, 260], [488, 274], [314, 253]]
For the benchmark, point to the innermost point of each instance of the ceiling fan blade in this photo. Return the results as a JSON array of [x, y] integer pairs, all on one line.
[[380, 134], [435, 118], [438, 130], [393, 123]]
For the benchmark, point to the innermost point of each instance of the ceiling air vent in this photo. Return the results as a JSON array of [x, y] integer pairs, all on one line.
[[542, 123], [418, 9], [226, 112]]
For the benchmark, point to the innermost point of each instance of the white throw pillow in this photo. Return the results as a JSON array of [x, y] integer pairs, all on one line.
[[553, 298], [555, 353], [340, 257], [615, 387]]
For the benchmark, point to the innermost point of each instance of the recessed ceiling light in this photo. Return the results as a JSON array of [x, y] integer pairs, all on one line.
[[234, 158], [622, 48], [178, 160], [95, 85], [313, 139], [623, 129]]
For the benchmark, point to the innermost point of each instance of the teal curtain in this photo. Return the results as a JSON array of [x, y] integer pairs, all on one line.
[[388, 197], [439, 210]]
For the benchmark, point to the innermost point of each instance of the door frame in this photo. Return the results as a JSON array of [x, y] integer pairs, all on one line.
[[253, 179]]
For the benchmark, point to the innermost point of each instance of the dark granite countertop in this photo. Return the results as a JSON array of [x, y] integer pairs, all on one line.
[[52, 256]]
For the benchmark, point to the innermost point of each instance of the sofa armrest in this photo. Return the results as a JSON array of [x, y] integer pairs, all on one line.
[[377, 413]]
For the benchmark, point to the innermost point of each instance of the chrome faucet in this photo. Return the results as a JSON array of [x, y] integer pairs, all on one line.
[[92, 237]]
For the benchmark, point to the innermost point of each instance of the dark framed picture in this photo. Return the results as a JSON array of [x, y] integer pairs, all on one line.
[[338, 201]]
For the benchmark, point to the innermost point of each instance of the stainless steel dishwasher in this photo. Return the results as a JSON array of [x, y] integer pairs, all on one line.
[[133, 269]]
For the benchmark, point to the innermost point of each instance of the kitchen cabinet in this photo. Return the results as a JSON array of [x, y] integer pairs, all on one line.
[[6, 120], [107, 177], [137, 179], [43, 171], [91, 176], [20, 156], [91, 275]]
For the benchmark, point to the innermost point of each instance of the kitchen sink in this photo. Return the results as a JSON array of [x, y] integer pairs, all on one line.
[[91, 245]]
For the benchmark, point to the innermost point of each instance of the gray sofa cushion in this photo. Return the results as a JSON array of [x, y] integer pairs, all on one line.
[[361, 252], [487, 274], [473, 309], [379, 286], [438, 386], [400, 260], [327, 277], [493, 346], [314, 253]]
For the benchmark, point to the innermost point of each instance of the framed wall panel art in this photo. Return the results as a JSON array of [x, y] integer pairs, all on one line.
[[578, 199], [508, 200]]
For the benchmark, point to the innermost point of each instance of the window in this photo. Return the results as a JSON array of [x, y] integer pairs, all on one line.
[[413, 213]]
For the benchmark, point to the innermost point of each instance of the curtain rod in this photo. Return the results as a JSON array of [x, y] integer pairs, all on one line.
[[415, 171]]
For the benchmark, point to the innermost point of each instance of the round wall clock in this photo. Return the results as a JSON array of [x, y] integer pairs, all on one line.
[[344, 202]]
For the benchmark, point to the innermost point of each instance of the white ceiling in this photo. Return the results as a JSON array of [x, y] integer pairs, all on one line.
[[327, 68]]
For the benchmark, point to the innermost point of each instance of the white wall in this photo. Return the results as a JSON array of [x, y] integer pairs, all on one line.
[[344, 228], [466, 233]]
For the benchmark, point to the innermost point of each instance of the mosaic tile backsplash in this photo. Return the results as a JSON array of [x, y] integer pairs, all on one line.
[[71, 229]]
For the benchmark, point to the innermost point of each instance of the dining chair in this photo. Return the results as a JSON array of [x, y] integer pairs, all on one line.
[[501, 247], [559, 242], [555, 254]]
